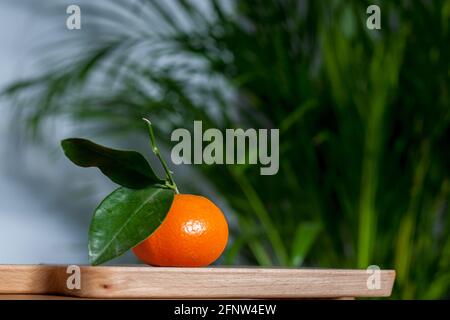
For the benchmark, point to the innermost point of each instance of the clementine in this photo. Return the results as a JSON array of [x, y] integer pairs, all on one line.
[[193, 234]]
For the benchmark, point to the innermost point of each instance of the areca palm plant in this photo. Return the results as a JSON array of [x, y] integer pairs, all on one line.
[[363, 115]]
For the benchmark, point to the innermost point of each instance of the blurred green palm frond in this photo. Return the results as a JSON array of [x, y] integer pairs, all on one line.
[[364, 118]]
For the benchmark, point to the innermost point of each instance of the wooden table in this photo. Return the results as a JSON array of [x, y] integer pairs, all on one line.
[[143, 282]]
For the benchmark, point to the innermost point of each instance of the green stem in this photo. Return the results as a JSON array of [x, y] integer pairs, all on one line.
[[155, 150], [405, 242], [262, 214], [368, 188]]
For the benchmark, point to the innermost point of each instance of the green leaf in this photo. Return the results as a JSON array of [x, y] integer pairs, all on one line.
[[124, 219], [305, 236], [126, 168]]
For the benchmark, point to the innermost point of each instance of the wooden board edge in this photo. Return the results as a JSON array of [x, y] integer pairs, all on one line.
[[51, 280]]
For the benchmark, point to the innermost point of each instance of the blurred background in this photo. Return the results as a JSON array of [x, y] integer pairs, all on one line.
[[364, 119]]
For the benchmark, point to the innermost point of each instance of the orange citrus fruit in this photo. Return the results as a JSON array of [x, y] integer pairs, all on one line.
[[193, 234]]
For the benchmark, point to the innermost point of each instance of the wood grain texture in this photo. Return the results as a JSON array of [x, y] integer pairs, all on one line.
[[192, 283], [36, 297]]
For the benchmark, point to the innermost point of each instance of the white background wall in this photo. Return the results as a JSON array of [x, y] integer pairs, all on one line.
[[45, 202]]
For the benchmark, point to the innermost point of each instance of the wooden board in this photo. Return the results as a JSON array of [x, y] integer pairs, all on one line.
[[192, 283]]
